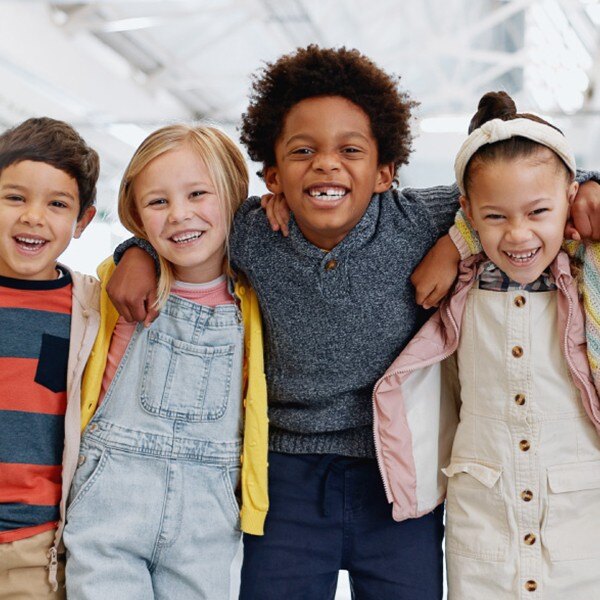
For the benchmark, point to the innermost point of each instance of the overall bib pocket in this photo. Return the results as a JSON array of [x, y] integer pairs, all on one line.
[[573, 511], [476, 520], [185, 381]]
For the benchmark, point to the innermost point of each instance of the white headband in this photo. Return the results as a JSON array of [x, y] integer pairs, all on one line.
[[497, 130]]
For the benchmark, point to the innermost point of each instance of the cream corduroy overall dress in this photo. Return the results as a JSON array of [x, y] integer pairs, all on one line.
[[523, 503]]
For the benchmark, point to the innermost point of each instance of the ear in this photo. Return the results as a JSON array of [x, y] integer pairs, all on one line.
[[466, 206], [385, 177], [273, 180], [572, 192], [84, 221]]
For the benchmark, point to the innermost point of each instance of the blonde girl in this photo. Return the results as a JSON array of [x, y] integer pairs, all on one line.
[[153, 510]]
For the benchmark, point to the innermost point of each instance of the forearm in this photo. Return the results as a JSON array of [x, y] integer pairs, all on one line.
[[139, 243], [441, 203]]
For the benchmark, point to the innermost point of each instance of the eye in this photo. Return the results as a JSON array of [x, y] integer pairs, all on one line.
[[157, 202], [14, 198], [302, 151], [539, 211], [59, 204], [494, 217], [197, 194], [351, 150]]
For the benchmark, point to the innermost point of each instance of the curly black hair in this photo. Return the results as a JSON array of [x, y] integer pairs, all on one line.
[[315, 71]]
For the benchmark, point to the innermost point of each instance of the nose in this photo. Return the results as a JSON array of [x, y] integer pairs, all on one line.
[[32, 215], [178, 212], [518, 233], [326, 162]]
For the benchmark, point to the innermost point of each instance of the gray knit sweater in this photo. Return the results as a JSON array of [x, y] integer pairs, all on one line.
[[332, 328]]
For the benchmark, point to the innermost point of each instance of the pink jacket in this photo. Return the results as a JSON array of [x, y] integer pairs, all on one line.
[[415, 403], [85, 319]]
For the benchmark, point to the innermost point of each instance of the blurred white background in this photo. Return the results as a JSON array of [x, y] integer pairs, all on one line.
[[118, 69]]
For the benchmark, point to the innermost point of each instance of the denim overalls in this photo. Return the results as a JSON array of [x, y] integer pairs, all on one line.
[[153, 511]]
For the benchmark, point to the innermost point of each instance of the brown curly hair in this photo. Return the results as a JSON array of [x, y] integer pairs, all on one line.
[[56, 143], [315, 71]]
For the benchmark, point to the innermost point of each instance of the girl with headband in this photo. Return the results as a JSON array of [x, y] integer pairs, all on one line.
[[509, 347]]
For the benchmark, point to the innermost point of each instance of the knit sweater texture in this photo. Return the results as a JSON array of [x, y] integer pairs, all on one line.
[[334, 321]]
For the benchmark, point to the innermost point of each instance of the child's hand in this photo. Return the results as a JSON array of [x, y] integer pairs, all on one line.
[[584, 220], [132, 287], [436, 273], [278, 212]]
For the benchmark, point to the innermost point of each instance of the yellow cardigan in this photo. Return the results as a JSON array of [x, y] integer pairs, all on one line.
[[255, 500]]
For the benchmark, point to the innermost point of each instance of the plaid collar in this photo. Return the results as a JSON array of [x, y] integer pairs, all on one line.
[[491, 278]]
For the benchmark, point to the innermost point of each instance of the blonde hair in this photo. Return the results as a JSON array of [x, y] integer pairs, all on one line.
[[226, 166]]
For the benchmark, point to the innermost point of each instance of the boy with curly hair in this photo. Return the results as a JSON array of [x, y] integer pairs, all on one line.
[[48, 319], [331, 130]]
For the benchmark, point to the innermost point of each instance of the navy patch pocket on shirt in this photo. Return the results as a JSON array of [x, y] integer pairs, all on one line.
[[52, 366]]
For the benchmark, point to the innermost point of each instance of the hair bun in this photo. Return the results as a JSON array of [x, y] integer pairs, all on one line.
[[493, 105]]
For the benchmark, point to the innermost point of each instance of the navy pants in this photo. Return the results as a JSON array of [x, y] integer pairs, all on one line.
[[328, 513]]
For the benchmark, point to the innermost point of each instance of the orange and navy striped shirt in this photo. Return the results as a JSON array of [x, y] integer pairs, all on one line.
[[35, 321]]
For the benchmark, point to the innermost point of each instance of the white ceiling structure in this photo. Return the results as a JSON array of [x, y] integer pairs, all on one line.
[[118, 69]]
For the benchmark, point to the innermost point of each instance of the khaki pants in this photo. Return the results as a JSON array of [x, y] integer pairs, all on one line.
[[24, 572]]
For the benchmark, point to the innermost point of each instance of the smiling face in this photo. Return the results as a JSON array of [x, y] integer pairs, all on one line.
[[519, 208], [327, 167], [39, 205], [182, 215]]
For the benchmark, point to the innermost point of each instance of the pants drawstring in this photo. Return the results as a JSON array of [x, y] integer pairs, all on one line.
[[53, 568]]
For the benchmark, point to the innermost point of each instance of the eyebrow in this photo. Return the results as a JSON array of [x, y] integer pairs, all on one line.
[[22, 188], [191, 184], [310, 138], [528, 205]]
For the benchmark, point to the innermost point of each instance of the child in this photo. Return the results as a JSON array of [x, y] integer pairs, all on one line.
[[153, 511], [331, 130], [523, 498], [48, 320]]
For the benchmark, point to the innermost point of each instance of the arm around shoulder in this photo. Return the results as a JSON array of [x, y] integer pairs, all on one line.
[[241, 230]]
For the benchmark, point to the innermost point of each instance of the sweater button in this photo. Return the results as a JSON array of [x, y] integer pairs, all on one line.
[[517, 351], [526, 495], [524, 445], [529, 539], [331, 264], [531, 585], [520, 301], [520, 399]]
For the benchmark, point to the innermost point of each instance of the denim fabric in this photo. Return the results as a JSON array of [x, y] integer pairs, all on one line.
[[328, 513], [153, 511]]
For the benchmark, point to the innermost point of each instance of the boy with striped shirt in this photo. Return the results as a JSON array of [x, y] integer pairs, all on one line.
[[48, 323]]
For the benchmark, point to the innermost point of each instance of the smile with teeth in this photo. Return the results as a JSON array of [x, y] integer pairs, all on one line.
[[327, 193], [186, 237], [30, 243], [522, 257]]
